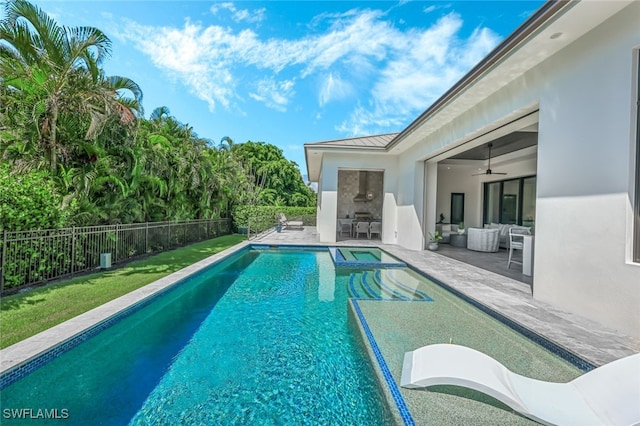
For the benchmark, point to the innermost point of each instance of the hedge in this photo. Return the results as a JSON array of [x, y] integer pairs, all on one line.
[[241, 214]]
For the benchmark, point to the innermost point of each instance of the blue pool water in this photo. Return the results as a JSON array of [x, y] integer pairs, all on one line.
[[261, 338]]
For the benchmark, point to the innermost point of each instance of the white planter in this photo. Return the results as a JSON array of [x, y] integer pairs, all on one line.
[[432, 246]]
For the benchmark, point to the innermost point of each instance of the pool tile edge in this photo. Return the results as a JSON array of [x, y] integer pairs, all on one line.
[[400, 409]]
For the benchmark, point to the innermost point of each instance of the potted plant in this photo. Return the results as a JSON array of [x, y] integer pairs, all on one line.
[[461, 228], [435, 239]]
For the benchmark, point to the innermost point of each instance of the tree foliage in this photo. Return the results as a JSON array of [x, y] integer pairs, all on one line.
[[85, 133], [30, 201], [282, 182]]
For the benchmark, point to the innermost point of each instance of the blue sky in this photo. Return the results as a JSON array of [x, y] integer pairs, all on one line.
[[291, 72]]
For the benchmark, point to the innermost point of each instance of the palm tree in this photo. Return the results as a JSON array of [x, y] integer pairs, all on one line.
[[56, 66]]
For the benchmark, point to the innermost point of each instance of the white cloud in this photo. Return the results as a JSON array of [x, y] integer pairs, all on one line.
[[274, 94], [239, 15], [334, 88], [432, 62], [358, 54], [434, 7]]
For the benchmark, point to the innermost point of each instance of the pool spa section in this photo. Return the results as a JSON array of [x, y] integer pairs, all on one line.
[[363, 257]]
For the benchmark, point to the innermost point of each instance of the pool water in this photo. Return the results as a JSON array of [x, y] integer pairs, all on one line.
[[366, 257], [360, 257], [261, 338]]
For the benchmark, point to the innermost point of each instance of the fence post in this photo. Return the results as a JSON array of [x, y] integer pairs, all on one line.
[[2, 261], [117, 241], [73, 249], [146, 238], [168, 235]]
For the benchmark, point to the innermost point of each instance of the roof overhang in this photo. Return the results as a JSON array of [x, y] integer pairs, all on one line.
[[551, 28], [314, 152]]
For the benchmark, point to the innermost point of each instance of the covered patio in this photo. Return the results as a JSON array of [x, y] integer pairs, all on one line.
[[494, 262], [487, 183], [359, 204]]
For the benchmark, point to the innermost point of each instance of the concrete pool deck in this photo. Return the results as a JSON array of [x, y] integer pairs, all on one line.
[[509, 297]]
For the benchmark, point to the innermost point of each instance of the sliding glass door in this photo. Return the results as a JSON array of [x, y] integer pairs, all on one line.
[[511, 201]]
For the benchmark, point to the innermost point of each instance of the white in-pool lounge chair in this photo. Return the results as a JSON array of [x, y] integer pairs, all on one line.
[[608, 395]]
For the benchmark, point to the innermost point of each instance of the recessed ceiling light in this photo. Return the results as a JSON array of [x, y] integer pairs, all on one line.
[[555, 36]]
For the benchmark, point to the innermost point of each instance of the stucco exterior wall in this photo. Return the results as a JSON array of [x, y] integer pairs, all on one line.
[[582, 251], [586, 133]]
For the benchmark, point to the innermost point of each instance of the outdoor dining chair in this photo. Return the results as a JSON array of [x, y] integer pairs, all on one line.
[[362, 228], [375, 228]]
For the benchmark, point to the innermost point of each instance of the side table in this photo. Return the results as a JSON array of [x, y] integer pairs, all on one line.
[[458, 240]]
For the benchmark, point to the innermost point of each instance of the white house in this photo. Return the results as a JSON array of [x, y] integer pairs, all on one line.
[[558, 100]]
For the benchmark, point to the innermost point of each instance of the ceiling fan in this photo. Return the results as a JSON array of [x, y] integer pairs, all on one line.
[[488, 171]]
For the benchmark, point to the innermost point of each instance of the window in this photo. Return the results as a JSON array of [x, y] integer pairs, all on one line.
[[511, 201], [457, 208], [636, 209]]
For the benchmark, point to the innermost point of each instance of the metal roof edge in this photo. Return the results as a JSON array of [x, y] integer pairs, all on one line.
[[322, 143], [534, 22]]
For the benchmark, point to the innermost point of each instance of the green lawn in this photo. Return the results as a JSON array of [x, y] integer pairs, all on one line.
[[25, 314]]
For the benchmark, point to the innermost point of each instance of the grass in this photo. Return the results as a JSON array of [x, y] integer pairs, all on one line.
[[25, 314]]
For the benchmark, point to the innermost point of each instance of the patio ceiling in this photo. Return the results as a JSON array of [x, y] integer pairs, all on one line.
[[512, 142]]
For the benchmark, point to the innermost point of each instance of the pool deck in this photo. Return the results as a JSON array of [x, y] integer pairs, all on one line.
[[511, 298]]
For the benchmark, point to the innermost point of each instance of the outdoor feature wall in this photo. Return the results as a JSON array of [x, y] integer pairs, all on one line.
[[348, 188]]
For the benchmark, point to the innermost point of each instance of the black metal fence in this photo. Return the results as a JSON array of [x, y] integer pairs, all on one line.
[[31, 257]]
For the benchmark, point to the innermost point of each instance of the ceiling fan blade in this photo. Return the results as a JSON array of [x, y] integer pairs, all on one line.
[[488, 172]]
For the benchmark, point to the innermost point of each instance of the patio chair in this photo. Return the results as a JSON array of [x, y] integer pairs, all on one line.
[[289, 223], [607, 395], [375, 228], [516, 242], [362, 228], [345, 225], [480, 239]]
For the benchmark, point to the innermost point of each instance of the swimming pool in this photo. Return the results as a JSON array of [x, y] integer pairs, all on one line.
[[256, 339], [264, 338]]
